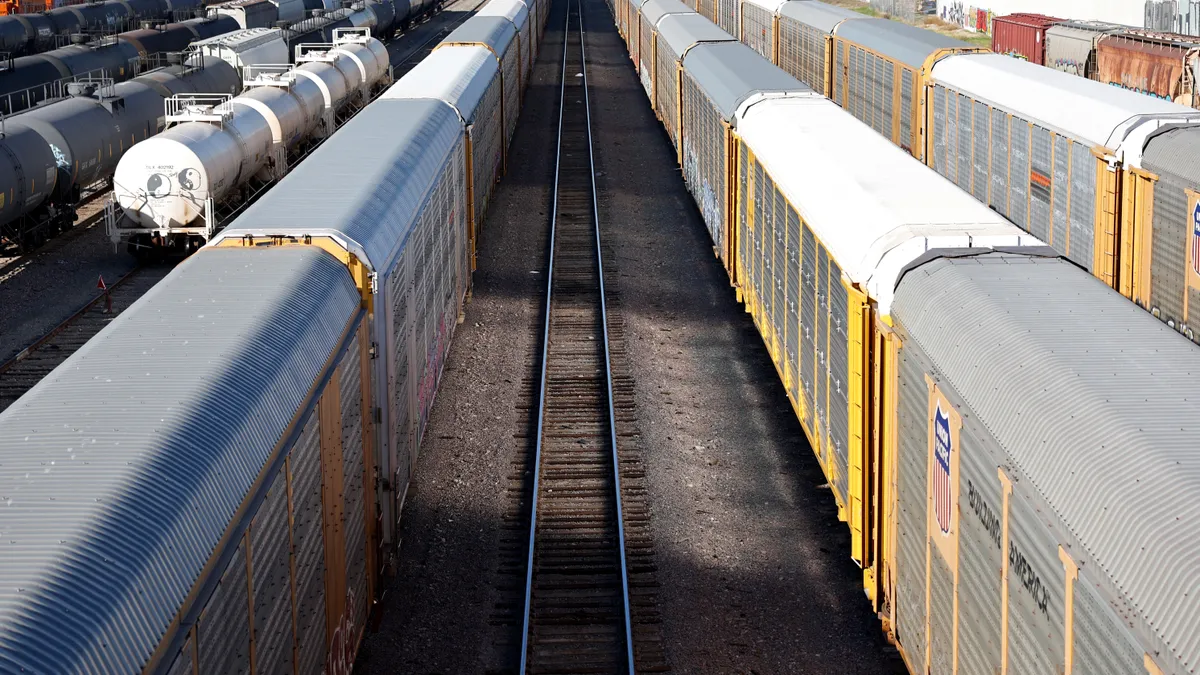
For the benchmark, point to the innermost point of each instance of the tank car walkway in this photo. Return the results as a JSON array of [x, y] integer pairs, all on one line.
[[751, 558]]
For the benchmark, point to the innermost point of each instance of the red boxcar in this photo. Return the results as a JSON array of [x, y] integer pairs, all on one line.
[[1022, 35]]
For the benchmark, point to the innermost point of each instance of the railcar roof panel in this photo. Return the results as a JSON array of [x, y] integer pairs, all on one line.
[[122, 468], [681, 31], [730, 72], [899, 41], [457, 74]]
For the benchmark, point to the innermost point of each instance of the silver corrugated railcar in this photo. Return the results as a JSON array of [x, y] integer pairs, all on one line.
[[468, 79], [879, 72], [1046, 474], [517, 12], [1059, 156], [632, 25], [186, 492], [1071, 46], [1174, 225], [677, 34], [390, 201], [499, 36], [717, 79], [804, 39], [647, 54], [758, 25]]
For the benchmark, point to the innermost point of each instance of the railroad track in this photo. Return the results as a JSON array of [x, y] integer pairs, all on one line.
[[27, 368], [588, 592]]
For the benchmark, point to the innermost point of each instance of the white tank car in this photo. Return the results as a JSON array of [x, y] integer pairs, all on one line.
[[167, 188]]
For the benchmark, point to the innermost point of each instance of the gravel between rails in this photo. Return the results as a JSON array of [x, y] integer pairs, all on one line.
[[754, 566]]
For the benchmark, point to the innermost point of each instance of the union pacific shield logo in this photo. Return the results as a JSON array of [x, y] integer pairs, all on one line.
[[943, 450], [1196, 238], [1193, 228], [945, 455]]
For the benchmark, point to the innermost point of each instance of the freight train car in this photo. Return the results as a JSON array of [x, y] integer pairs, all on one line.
[[499, 36], [177, 190], [55, 154], [234, 507], [1071, 46], [1059, 156], [676, 35], [32, 79], [22, 34], [651, 13], [934, 352], [1164, 65], [1022, 35]]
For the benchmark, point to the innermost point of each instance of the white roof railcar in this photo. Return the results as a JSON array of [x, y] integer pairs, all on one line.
[[870, 203]]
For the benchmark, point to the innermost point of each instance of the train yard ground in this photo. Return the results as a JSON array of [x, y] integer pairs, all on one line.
[[750, 557], [42, 289]]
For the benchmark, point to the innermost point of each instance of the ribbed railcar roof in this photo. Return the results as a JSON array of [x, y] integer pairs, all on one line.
[[495, 31], [515, 11], [681, 31], [121, 470], [1176, 151], [730, 72], [819, 15], [457, 74], [366, 185], [653, 10], [1098, 405], [899, 41]]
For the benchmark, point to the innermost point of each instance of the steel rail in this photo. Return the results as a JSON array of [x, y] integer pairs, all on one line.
[[542, 395]]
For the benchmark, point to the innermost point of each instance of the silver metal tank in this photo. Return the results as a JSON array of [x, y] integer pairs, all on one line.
[[63, 146], [164, 183]]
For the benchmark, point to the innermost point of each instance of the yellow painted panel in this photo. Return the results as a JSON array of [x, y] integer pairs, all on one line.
[[858, 314]]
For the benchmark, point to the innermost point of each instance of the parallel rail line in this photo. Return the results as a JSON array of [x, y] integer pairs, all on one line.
[[580, 605]]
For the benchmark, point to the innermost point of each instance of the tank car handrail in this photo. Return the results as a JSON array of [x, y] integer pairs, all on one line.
[[180, 108], [55, 89], [268, 75]]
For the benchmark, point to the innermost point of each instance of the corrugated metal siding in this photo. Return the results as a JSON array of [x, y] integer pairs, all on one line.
[[758, 31], [224, 626], [980, 135], [941, 617], [728, 73], [1018, 200], [821, 384], [1039, 194], [981, 560], [704, 151], [912, 417], [802, 52], [309, 542], [645, 56], [270, 562], [667, 83], [1066, 381], [727, 16], [779, 273], [940, 131], [354, 490], [792, 291], [230, 336], [808, 324], [1083, 205], [1103, 645], [1036, 589], [185, 662], [963, 172], [897, 41], [457, 74], [999, 195], [839, 382], [1062, 190], [1172, 156], [487, 148]]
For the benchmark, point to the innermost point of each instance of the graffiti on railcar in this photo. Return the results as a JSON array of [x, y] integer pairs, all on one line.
[[340, 660]]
